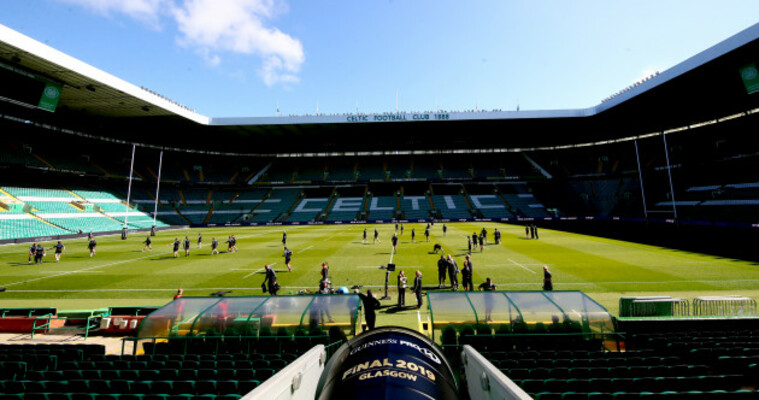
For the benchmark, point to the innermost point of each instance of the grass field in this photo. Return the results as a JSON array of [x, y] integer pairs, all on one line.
[[122, 274]]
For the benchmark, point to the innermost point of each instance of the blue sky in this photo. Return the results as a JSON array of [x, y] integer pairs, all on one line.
[[242, 58]]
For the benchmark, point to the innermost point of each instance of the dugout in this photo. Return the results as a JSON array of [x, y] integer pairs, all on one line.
[[519, 314], [251, 315]]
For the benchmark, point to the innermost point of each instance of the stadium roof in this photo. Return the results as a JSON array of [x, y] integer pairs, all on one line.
[[705, 87]]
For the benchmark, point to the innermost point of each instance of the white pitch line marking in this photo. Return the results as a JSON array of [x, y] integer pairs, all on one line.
[[257, 271], [252, 273], [81, 270], [301, 251], [509, 265], [522, 266], [327, 239], [366, 286]]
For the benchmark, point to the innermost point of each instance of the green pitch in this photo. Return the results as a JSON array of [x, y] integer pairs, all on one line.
[[122, 274]]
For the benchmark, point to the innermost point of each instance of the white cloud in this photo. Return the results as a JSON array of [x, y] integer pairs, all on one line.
[[216, 27], [147, 11], [237, 26]]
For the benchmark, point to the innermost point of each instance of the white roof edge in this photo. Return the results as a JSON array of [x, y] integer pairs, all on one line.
[[32, 46], [733, 42], [66, 61]]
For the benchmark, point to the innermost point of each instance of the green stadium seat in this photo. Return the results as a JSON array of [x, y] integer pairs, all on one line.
[[226, 387], [142, 387], [553, 385], [187, 374], [245, 375], [206, 387], [228, 374], [184, 387], [245, 387], [168, 374], [548, 396], [163, 386], [207, 374]]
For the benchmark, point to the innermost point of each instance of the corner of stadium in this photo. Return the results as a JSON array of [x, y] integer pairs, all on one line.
[[619, 239]]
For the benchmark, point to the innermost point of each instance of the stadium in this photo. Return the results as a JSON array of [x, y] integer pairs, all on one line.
[[644, 208]]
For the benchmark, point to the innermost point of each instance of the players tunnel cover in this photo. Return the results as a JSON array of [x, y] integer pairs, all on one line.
[[388, 363]]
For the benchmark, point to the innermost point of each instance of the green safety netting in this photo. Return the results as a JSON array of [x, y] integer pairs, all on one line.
[[248, 315], [520, 311]]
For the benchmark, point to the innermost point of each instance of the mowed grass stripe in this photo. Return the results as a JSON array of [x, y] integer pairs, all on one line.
[[594, 265]]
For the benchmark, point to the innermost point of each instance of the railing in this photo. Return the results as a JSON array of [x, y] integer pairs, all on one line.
[[660, 308], [724, 305], [606, 341], [297, 381], [91, 323], [221, 344], [485, 381]]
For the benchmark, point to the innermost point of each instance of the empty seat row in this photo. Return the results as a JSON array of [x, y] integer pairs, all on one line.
[[587, 362], [114, 396], [149, 374], [173, 364], [614, 372], [647, 384], [125, 386], [668, 395]]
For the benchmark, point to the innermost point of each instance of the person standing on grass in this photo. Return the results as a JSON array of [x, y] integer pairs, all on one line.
[[271, 280], [148, 244], [547, 279], [417, 288], [288, 254], [413, 235], [376, 237], [442, 265], [32, 250], [445, 230], [466, 275], [427, 233], [453, 271], [325, 272], [481, 239], [234, 244], [394, 240], [527, 231], [497, 236], [284, 238], [59, 249], [186, 246], [176, 247], [364, 239], [39, 252], [402, 289], [214, 246], [469, 245], [484, 234], [200, 240], [371, 304], [91, 245], [401, 229]]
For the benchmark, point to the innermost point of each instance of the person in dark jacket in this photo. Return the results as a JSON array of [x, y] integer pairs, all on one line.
[[466, 275], [417, 288], [371, 304]]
